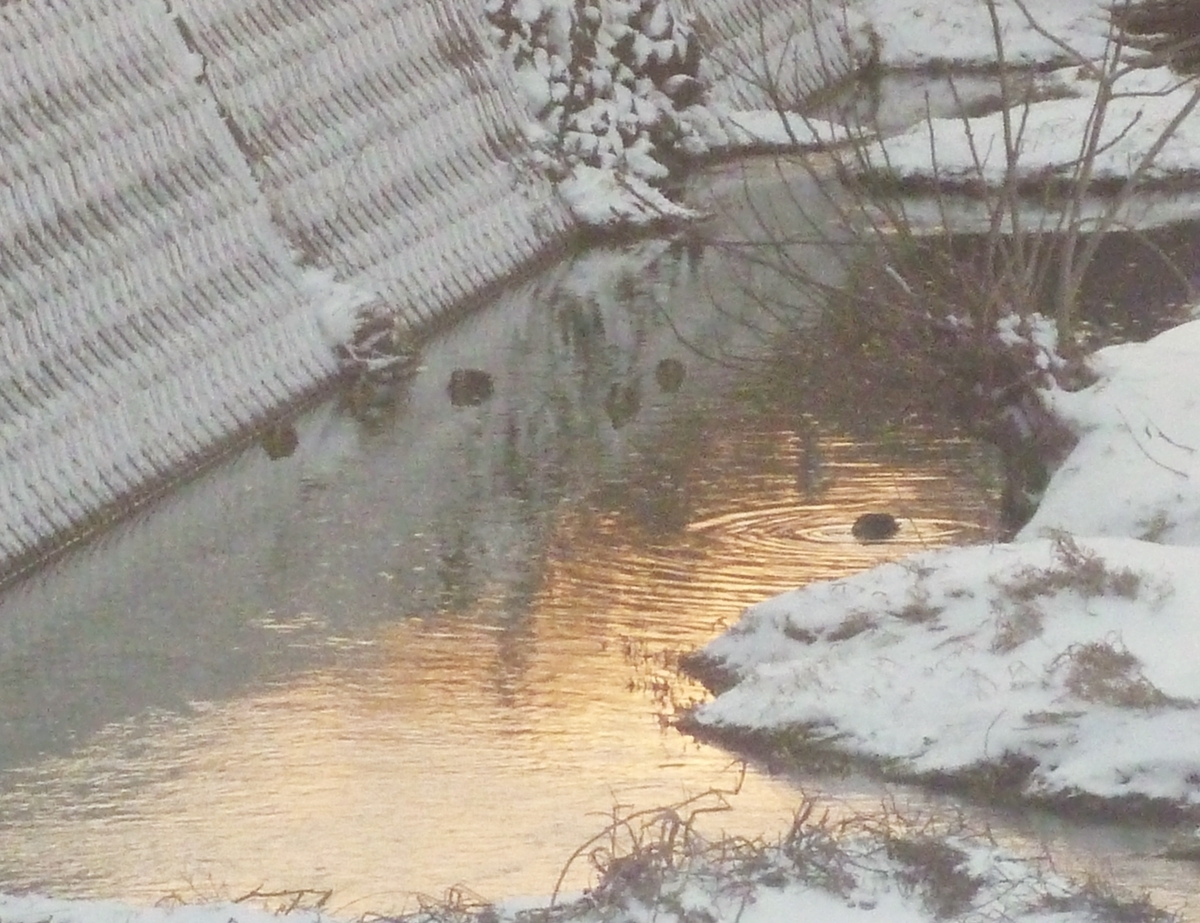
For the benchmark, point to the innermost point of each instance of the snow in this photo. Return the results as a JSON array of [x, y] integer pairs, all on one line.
[[338, 306], [608, 199], [906, 873], [914, 33], [1139, 446], [17, 908], [597, 83], [758, 128], [1052, 130], [961, 657]]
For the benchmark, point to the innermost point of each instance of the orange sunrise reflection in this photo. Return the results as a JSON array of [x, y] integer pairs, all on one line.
[[481, 747]]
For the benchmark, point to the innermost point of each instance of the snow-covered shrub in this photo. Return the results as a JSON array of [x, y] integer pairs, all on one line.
[[610, 84]]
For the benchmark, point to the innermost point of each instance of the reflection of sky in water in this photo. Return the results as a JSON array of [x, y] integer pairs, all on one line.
[[473, 742]]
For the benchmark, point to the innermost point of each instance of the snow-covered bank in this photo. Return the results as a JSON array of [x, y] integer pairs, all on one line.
[[620, 95], [1066, 658], [610, 126], [1071, 662], [1136, 468], [916, 33], [889, 869], [1050, 141], [31, 908], [1060, 667], [1049, 132]]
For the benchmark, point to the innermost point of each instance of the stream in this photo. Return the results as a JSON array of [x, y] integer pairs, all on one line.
[[432, 647]]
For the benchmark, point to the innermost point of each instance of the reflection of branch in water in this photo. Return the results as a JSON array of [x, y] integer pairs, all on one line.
[[808, 471]]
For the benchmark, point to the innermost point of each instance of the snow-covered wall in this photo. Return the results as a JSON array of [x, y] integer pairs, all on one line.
[[149, 306], [168, 180], [766, 53], [382, 133], [195, 193]]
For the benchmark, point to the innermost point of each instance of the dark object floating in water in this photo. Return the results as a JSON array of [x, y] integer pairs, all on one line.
[[669, 374], [623, 403], [874, 527], [469, 387], [279, 440]]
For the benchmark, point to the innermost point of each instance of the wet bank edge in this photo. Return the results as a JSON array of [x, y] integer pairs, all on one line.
[[806, 748], [999, 782]]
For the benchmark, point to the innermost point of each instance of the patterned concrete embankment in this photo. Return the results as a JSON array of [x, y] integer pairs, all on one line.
[[169, 180], [195, 195]]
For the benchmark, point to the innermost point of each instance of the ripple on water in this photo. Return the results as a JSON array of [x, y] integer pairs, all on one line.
[[746, 527], [780, 529]]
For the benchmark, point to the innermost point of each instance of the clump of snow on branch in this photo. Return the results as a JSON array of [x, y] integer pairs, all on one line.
[[1035, 338], [611, 85]]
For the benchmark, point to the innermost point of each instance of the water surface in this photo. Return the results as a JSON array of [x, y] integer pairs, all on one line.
[[431, 648], [427, 649]]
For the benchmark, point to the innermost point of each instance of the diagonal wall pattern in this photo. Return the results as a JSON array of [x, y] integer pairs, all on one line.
[[762, 54], [383, 138], [166, 179], [149, 305], [195, 194]]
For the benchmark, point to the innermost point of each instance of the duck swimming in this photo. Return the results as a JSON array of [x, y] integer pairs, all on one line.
[[875, 527]]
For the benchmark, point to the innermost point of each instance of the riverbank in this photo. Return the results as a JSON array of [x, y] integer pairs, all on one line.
[[886, 866], [652, 866], [1056, 669]]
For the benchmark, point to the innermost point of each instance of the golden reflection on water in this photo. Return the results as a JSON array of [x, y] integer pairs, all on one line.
[[464, 749], [747, 530]]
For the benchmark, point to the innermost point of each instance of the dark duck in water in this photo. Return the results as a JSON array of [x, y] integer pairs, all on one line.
[[874, 527]]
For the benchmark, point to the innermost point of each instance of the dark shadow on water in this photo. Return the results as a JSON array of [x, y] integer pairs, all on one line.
[[1139, 284]]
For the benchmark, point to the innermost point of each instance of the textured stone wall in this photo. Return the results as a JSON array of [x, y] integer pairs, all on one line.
[[765, 53], [193, 193], [382, 133], [148, 304], [169, 179]]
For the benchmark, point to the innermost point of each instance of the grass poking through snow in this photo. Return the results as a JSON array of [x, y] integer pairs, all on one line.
[[655, 865]]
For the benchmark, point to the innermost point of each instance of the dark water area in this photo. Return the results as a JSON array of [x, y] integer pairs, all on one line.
[[1140, 282], [427, 642]]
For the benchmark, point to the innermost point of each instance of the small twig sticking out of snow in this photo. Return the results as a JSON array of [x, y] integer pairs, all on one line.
[[1142, 448], [1179, 445]]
